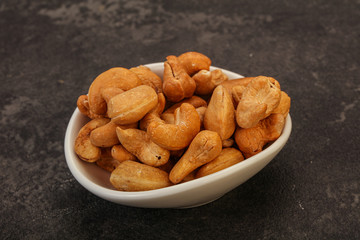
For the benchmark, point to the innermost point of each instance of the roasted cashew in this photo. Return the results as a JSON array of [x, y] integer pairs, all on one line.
[[227, 158], [219, 115], [205, 147], [258, 100], [237, 86], [206, 81], [83, 146], [115, 78], [177, 84], [197, 102], [110, 92], [135, 176], [138, 143], [147, 77], [106, 161], [105, 136], [119, 153], [154, 114], [83, 106], [252, 140], [178, 135], [132, 105], [284, 105], [193, 62]]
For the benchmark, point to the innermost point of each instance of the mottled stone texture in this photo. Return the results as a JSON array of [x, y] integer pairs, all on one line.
[[50, 51]]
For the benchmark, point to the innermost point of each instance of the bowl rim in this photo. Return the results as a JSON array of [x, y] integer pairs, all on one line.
[[107, 193]]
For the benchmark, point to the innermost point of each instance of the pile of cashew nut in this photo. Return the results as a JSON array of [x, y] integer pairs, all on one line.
[[151, 133]]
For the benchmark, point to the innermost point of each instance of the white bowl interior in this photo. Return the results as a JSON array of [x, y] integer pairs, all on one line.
[[189, 194]]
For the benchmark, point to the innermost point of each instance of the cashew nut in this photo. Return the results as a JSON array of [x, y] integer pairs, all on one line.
[[178, 135], [106, 161], [258, 100], [119, 153], [108, 93], [132, 105], [83, 146], [83, 106], [227, 158], [105, 136], [206, 81], [197, 102], [252, 140], [154, 114], [284, 105], [135, 176], [219, 115], [177, 84], [116, 78], [205, 147], [193, 62], [147, 77], [138, 143]]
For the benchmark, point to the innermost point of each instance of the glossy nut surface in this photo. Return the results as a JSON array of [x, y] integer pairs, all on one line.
[[205, 147], [132, 105], [116, 78], [135, 176], [138, 143], [178, 135], [83, 146], [219, 115]]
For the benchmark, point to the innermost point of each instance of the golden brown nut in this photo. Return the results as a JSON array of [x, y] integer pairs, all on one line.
[[116, 78], [105, 136], [169, 118], [205, 147], [229, 84], [237, 92], [132, 105], [106, 161], [227, 158], [219, 115], [197, 102], [108, 93], [206, 81], [83, 146], [154, 114], [178, 135], [252, 140], [235, 87], [177, 83], [119, 153], [148, 77], [83, 106], [284, 105], [194, 62], [138, 142], [258, 100], [135, 176]]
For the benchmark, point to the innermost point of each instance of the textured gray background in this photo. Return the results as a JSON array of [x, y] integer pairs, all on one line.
[[50, 51]]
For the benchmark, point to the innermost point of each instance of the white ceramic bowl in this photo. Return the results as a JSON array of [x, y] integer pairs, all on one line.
[[189, 194]]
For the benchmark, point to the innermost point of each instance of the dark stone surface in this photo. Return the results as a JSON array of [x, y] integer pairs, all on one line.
[[50, 51]]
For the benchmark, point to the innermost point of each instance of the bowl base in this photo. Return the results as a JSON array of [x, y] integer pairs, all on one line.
[[200, 204]]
